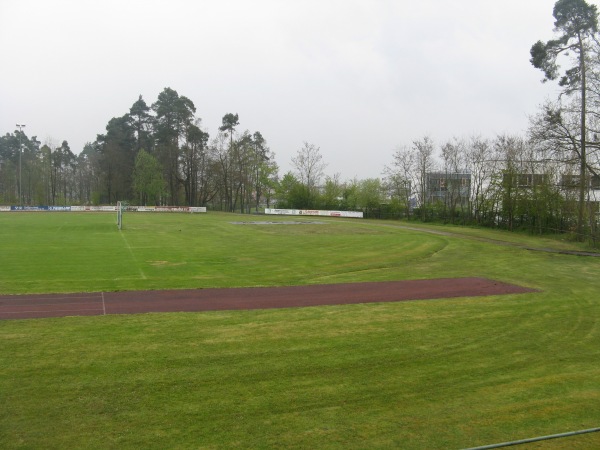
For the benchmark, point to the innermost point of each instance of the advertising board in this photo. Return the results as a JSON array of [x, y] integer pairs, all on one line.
[[314, 212], [189, 209]]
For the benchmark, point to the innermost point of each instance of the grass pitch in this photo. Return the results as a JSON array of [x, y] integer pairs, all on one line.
[[433, 374], [85, 252]]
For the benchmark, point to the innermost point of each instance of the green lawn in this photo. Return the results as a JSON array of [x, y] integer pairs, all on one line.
[[73, 252], [429, 374]]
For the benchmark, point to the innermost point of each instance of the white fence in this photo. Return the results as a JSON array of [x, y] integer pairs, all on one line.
[[313, 212], [187, 209]]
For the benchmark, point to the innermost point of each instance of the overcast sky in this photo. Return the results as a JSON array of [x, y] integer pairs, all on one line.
[[357, 78]]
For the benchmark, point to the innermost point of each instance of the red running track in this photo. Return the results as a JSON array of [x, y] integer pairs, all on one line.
[[193, 300]]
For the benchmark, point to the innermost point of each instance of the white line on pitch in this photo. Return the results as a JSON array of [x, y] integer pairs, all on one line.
[[132, 255], [103, 304]]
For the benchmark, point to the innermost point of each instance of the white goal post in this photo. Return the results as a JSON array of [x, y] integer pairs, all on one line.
[[120, 215]]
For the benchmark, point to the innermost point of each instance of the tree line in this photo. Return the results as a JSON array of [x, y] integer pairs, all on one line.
[[544, 180], [157, 154]]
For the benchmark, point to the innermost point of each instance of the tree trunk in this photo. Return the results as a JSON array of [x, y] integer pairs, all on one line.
[[583, 159]]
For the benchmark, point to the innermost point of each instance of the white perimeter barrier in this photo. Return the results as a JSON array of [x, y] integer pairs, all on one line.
[[313, 212], [189, 209]]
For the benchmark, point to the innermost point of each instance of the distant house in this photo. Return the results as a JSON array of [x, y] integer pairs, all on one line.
[[568, 181], [398, 188], [449, 188], [570, 184], [523, 180]]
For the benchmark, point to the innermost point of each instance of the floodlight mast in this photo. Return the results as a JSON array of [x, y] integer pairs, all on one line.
[[20, 125]]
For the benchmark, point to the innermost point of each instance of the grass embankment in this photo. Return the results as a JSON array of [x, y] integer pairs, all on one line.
[[430, 374]]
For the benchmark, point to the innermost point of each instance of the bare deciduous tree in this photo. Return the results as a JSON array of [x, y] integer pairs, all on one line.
[[424, 164], [400, 177], [309, 165]]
